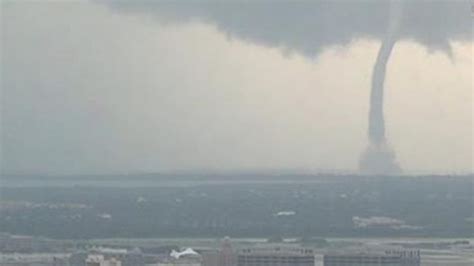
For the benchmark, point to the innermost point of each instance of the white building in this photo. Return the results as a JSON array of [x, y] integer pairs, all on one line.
[[100, 260]]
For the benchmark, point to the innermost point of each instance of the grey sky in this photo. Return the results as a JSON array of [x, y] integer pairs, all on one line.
[[98, 88]]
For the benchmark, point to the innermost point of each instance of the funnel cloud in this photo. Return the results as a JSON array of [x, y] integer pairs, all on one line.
[[379, 157]]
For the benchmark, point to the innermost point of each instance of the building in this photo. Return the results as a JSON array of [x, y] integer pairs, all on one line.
[[28, 244], [386, 258], [33, 259], [78, 258], [210, 257], [134, 257], [187, 257], [108, 257], [100, 260], [178, 262], [94, 260], [224, 256], [276, 257], [61, 261]]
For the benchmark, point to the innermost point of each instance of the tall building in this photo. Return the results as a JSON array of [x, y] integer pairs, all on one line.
[[387, 258], [276, 257], [224, 256]]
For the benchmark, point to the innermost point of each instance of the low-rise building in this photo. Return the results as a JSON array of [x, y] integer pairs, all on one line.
[[276, 256], [385, 258], [100, 260]]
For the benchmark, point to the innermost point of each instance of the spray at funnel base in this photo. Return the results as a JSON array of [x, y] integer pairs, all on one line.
[[379, 159]]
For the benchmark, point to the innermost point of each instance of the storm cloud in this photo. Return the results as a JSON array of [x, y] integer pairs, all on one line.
[[308, 27]]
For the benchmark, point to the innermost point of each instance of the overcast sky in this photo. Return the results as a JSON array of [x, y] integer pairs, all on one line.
[[93, 87]]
